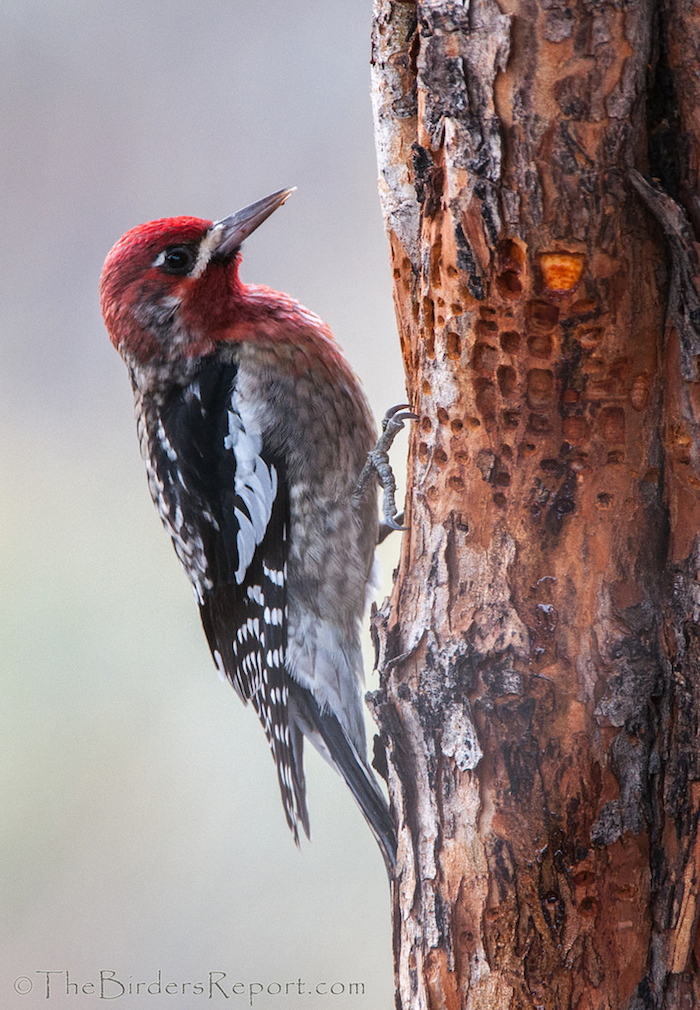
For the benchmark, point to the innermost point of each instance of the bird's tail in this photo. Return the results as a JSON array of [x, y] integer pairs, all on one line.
[[327, 735]]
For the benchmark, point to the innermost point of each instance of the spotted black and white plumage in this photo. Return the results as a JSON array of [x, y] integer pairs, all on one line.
[[225, 504], [254, 431]]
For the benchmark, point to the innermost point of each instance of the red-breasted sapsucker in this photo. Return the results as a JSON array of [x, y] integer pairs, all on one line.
[[254, 431]]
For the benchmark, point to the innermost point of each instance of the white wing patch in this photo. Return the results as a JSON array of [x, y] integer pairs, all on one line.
[[255, 483]]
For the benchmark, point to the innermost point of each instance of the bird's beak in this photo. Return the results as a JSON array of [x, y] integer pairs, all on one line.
[[238, 226]]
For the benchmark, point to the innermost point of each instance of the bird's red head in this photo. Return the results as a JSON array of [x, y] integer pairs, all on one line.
[[170, 287]]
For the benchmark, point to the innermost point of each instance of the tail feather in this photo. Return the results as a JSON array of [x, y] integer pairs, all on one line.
[[298, 779], [308, 719]]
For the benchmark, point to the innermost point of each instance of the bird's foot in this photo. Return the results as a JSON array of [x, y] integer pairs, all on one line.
[[378, 463]]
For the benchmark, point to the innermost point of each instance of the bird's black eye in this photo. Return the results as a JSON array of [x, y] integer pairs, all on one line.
[[178, 259]]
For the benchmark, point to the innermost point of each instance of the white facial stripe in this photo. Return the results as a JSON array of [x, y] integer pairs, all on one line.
[[207, 247]]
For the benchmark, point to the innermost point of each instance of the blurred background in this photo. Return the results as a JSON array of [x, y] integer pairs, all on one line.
[[141, 826]]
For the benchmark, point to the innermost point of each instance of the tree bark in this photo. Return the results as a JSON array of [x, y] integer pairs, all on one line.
[[539, 656]]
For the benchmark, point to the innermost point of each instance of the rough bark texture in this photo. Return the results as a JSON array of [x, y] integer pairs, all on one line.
[[540, 653]]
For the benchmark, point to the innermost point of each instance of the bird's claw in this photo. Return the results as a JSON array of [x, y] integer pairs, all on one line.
[[385, 529], [378, 462], [395, 416]]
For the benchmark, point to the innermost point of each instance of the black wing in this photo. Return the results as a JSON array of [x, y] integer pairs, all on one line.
[[225, 500]]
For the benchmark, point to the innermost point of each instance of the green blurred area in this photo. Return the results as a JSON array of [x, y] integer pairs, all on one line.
[[141, 825]]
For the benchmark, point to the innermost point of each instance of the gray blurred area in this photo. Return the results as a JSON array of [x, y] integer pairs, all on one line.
[[141, 828]]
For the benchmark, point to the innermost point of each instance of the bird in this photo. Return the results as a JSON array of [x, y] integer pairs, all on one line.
[[255, 431]]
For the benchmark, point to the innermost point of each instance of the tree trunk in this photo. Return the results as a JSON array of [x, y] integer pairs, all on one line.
[[539, 656]]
